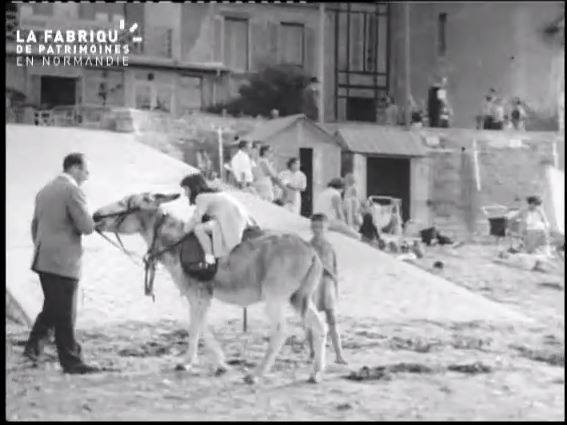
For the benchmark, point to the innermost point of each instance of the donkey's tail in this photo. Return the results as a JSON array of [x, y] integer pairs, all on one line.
[[300, 299]]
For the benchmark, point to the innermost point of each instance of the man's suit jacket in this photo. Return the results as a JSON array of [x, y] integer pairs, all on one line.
[[60, 218]]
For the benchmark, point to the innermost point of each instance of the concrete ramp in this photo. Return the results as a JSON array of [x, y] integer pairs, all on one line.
[[373, 284]]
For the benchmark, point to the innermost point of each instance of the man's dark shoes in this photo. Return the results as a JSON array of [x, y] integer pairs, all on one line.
[[81, 369], [31, 354]]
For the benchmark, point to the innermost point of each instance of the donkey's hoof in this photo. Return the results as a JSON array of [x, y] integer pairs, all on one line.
[[314, 379], [180, 367], [221, 370], [250, 379]]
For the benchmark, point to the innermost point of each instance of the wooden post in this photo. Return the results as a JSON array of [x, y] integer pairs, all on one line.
[[321, 103], [245, 319], [221, 159], [407, 64]]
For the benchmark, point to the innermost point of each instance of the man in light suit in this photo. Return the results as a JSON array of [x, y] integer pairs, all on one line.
[[60, 219]]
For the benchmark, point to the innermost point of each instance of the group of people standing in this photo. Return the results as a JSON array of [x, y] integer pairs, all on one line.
[[253, 169], [496, 115]]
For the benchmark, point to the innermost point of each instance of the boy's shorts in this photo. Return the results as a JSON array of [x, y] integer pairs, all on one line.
[[325, 296]]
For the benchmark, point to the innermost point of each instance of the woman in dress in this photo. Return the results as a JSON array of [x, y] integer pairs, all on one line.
[[266, 176]]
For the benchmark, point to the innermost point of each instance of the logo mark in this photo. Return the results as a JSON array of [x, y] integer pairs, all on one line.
[[131, 30]]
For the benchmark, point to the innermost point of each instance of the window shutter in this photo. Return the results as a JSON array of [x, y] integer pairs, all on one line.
[[273, 35], [310, 54], [35, 89], [218, 22], [259, 46]]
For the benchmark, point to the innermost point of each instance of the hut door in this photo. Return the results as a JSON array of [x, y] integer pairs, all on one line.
[[390, 177], [306, 167]]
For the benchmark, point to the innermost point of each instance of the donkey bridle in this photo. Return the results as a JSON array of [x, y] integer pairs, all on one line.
[[150, 259]]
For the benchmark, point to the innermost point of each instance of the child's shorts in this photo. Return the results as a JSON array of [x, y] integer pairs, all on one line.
[[325, 296]]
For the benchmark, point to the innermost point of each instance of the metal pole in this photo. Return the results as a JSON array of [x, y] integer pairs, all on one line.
[[407, 63], [221, 159], [321, 105], [245, 319]]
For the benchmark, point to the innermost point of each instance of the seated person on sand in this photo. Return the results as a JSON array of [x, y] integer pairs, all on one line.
[[228, 218], [534, 225], [330, 203], [326, 294], [369, 232]]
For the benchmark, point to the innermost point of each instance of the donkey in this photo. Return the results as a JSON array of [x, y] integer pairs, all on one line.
[[276, 268]]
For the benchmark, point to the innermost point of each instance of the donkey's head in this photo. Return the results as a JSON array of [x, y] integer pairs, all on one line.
[[131, 214]]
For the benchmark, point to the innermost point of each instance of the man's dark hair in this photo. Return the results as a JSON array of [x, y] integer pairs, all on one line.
[[242, 144], [264, 149], [291, 161], [197, 184], [533, 200], [73, 159], [336, 183], [319, 217]]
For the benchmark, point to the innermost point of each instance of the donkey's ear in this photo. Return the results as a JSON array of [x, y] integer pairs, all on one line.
[[162, 197]]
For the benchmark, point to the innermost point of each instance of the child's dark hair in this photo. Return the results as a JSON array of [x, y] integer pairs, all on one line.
[[242, 144], [319, 217], [197, 184], [291, 161], [263, 150]]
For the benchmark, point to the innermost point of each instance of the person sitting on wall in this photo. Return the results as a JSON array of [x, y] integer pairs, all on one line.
[[487, 112], [518, 115], [498, 114], [392, 111], [445, 110]]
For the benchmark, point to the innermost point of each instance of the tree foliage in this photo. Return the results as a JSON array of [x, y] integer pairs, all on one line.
[[286, 88]]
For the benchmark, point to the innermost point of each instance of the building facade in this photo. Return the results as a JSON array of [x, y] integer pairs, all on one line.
[[196, 55]]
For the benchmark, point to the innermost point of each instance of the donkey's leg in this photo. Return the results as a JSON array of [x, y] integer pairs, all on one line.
[[199, 305], [275, 313], [318, 330], [215, 349]]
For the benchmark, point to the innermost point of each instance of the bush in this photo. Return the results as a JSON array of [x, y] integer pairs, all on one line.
[[282, 87]]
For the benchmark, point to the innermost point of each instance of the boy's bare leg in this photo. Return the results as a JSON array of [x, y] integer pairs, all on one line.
[[310, 342], [335, 336]]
